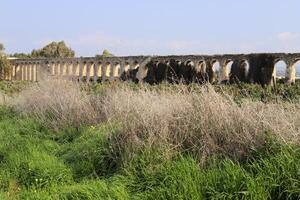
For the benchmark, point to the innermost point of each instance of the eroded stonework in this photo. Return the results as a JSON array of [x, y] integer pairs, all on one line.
[[252, 68]]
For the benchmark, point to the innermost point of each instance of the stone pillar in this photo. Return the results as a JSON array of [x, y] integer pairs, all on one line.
[[96, 68], [28, 72], [32, 78], [274, 76], [15, 72], [88, 71], [81, 66], [290, 73], [23, 71], [142, 71]]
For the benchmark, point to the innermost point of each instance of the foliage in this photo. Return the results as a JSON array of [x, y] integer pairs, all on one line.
[[105, 53], [4, 65], [20, 55], [130, 158], [54, 50], [1, 48]]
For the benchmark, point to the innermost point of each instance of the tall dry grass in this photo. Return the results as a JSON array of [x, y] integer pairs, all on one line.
[[202, 122], [57, 103]]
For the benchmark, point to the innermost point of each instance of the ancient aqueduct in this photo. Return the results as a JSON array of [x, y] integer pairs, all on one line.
[[253, 68]]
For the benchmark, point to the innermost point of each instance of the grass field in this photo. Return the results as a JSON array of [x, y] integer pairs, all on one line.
[[61, 140]]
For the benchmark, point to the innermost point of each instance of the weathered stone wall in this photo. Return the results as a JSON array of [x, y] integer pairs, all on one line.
[[253, 68]]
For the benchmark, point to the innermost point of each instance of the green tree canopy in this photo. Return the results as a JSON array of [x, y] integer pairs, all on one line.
[[105, 53], [4, 63], [54, 50], [20, 55], [1, 48]]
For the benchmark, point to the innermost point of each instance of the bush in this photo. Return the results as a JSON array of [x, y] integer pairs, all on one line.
[[4, 66], [92, 154], [27, 160]]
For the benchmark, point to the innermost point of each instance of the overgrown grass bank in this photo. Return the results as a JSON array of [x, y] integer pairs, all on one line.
[[60, 140]]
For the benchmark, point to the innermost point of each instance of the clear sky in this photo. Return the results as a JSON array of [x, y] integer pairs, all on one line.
[[135, 27]]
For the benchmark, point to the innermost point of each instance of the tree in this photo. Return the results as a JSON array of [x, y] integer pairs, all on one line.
[[20, 55], [54, 50], [1, 48], [105, 53], [4, 62]]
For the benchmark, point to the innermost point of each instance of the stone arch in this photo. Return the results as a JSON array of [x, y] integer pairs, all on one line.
[[84, 69], [201, 65], [89, 70], [107, 69], [98, 71], [18, 71], [76, 70], [135, 65], [33, 71], [53, 68], [70, 68], [23, 71], [58, 68], [64, 67], [216, 65], [246, 66], [229, 63], [126, 66], [297, 69], [189, 62], [116, 70]]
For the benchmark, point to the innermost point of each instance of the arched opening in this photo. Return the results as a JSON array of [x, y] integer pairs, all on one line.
[[57, 68], [84, 70], [246, 66], [70, 71], [107, 69], [126, 67], [117, 70], [190, 64], [229, 66], [64, 68], [76, 69], [34, 69], [135, 65], [52, 68], [90, 71], [297, 69], [99, 70], [216, 67], [279, 71], [18, 72], [202, 66]]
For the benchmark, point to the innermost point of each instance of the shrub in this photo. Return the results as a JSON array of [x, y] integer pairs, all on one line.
[[4, 66], [91, 154], [57, 104]]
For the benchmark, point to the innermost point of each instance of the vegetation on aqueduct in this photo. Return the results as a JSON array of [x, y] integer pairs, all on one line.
[[62, 140]]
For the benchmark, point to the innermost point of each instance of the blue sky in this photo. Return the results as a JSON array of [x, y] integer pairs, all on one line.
[[136, 27]]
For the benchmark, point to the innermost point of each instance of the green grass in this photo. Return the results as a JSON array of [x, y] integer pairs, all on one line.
[[86, 163], [37, 166]]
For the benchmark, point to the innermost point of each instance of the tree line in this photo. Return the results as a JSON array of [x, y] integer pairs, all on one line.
[[51, 50]]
